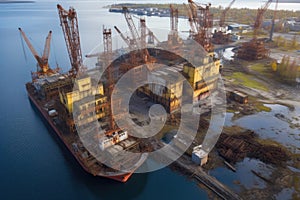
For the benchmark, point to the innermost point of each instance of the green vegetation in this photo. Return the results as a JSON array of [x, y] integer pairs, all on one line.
[[285, 44], [261, 107], [233, 130], [288, 69], [247, 80], [264, 69], [269, 142], [259, 67], [230, 110]]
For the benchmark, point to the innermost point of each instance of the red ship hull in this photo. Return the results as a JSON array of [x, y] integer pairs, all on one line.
[[121, 177]]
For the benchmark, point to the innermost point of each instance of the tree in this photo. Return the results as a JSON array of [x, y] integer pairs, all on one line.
[[294, 42]]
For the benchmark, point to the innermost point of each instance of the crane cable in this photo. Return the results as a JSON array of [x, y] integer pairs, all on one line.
[[23, 47], [53, 47]]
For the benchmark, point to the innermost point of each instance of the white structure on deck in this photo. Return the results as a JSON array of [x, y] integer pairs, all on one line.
[[199, 156], [108, 141]]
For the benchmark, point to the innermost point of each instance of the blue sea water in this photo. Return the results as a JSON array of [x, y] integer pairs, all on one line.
[[34, 162]]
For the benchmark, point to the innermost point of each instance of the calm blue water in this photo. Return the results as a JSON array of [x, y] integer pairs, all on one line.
[[34, 163]]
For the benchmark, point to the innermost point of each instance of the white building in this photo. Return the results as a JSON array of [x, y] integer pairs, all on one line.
[[199, 156]]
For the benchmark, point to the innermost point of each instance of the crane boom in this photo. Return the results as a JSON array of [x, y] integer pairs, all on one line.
[[42, 61], [259, 17], [193, 9], [33, 51], [273, 22], [123, 37], [174, 18], [190, 18], [223, 14], [69, 24], [46, 52], [134, 33]]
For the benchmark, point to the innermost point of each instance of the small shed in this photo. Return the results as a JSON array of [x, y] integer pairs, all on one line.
[[199, 156], [238, 96]]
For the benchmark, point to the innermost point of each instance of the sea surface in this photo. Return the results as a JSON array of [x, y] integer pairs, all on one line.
[[34, 162]]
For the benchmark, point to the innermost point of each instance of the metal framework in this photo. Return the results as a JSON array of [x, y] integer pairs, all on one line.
[[133, 30], [107, 51], [273, 21], [255, 49], [223, 14], [191, 21], [173, 18], [259, 17], [69, 24], [42, 62], [203, 20]]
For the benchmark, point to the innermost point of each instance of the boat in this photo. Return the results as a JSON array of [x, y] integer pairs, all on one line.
[[53, 94], [49, 107]]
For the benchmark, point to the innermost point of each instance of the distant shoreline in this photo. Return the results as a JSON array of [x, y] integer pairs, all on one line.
[[2, 2]]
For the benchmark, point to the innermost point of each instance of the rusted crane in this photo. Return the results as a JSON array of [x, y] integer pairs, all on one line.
[[259, 17], [220, 36], [135, 43], [42, 61], [203, 20], [107, 54], [190, 19], [133, 30], [143, 32], [223, 14], [69, 24], [255, 49], [273, 22], [173, 18], [107, 42]]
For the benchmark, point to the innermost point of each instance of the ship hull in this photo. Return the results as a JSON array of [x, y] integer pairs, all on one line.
[[121, 177]]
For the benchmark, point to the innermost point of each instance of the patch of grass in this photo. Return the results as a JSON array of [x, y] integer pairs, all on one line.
[[261, 107], [232, 130], [248, 81], [268, 142], [259, 67], [229, 110]]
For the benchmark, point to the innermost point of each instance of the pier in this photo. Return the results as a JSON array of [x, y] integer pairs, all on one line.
[[185, 163]]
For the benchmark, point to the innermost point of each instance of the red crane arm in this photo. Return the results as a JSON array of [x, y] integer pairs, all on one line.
[[47, 46], [223, 14], [259, 16]]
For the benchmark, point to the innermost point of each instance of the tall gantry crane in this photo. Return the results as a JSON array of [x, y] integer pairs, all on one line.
[[69, 24], [133, 30], [220, 36], [223, 15], [259, 17], [107, 53], [136, 43], [255, 49], [143, 28], [273, 21], [203, 20], [173, 19], [191, 20], [42, 61]]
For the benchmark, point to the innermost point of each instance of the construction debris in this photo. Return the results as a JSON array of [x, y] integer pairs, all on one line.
[[234, 148]]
